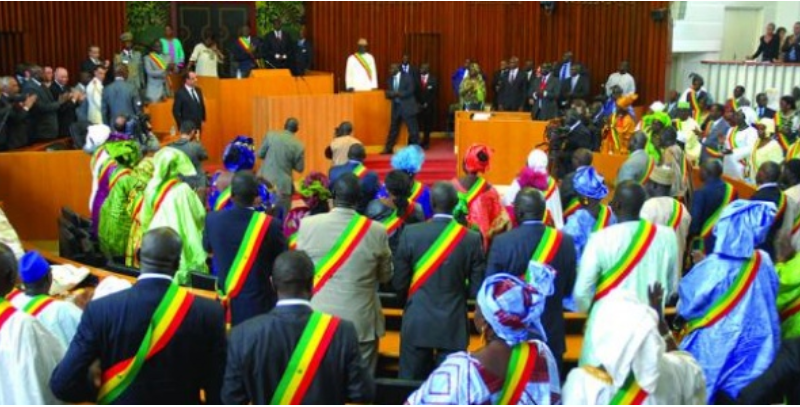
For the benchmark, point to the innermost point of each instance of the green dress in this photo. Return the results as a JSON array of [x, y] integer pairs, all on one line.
[[115, 214], [788, 294]]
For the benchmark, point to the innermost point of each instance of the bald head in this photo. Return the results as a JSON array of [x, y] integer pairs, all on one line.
[[768, 172], [61, 76], [711, 170], [293, 275], [529, 204], [161, 251], [292, 125], [346, 191], [244, 189], [638, 141], [628, 200], [8, 269], [444, 198]]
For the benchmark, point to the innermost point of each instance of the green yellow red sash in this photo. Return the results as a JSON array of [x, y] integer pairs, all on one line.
[[393, 222], [695, 105], [651, 165], [244, 261], [416, 192], [548, 218], [732, 138], [13, 294], [548, 247], [106, 170], [6, 311], [734, 104], [244, 43], [677, 215], [790, 310], [305, 360], [447, 241], [796, 225], [167, 318], [614, 132], [341, 250], [603, 218], [551, 188], [360, 171], [364, 64], [630, 394], [518, 374], [713, 153], [794, 151], [118, 174], [708, 226], [223, 199], [781, 208], [476, 190], [161, 194], [293, 241], [158, 60], [37, 304], [730, 299], [572, 207], [631, 257], [782, 140], [96, 156]]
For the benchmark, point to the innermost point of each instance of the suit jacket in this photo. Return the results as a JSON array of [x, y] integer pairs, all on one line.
[[410, 70], [303, 56], [272, 45], [405, 103], [119, 99], [436, 315], [282, 153], [511, 95], [779, 383], [705, 202], [259, 354], [67, 113], [770, 194], [580, 90], [222, 236], [766, 113], [370, 183], [133, 61], [511, 252], [185, 107], [43, 116], [242, 57], [112, 329], [15, 132], [88, 65], [352, 293], [546, 106], [426, 96]]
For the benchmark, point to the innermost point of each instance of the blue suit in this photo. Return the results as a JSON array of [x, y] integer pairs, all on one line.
[[112, 330], [706, 200], [222, 236], [370, 183]]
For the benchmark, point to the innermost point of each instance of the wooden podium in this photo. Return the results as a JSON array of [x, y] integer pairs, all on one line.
[[372, 115]]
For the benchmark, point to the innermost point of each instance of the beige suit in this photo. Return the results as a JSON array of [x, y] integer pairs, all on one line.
[[352, 292]]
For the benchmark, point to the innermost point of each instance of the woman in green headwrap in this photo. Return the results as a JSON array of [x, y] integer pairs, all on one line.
[[168, 201], [653, 125], [115, 215]]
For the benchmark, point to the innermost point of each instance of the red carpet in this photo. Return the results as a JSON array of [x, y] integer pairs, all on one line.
[[440, 163]]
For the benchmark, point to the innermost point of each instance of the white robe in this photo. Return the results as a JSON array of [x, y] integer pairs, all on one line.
[[28, 356], [355, 76], [746, 140], [659, 211], [9, 236], [61, 318], [553, 204], [793, 202], [94, 96], [772, 152]]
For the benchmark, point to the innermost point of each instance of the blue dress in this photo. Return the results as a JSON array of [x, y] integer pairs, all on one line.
[[581, 226]]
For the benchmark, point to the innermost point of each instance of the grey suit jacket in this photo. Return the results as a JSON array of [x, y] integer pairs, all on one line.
[[119, 98], [156, 79], [633, 168], [282, 153], [134, 64], [352, 292], [43, 116]]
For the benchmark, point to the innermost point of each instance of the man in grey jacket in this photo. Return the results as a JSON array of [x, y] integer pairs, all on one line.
[[282, 153], [119, 98]]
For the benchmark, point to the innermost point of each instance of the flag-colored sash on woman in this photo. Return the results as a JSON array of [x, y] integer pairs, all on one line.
[[223, 199], [158, 60], [518, 374]]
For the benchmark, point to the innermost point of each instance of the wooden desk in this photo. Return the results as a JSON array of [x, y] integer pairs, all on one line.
[[512, 136], [211, 136], [372, 115]]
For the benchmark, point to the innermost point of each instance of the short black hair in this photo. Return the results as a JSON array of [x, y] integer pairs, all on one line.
[[293, 274], [357, 152], [347, 190], [630, 196], [244, 188], [444, 197], [789, 100], [188, 126]]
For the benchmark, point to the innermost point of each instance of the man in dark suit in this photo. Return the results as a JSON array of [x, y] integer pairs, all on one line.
[[435, 322], [762, 110], [113, 328], [260, 349], [767, 178], [706, 201], [224, 236], [43, 116], [497, 78], [14, 109], [245, 50], [513, 85], [576, 86], [512, 251], [189, 104], [277, 48], [94, 60], [120, 98], [368, 181], [67, 115], [545, 95], [564, 68], [400, 90], [427, 89], [303, 54], [578, 137]]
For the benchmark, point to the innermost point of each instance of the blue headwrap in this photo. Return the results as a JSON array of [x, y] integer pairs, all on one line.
[[239, 154], [409, 159], [32, 267], [742, 226], [589, 183], [511, 307]]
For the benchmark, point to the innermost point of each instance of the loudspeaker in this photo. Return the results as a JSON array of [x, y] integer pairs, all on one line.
[[659, 15]]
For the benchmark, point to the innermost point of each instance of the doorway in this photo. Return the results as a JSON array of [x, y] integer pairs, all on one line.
[[223, 19], [741, 31]]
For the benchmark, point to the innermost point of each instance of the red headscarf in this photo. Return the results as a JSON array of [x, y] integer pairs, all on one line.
[[476, 160]]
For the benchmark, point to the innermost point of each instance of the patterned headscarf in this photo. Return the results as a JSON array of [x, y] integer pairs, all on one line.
[[126, 153], [476, 160], [168, 163], [511, 307], [314, 189], [409, 159], [742, 226], [589, 183], [239, 154]]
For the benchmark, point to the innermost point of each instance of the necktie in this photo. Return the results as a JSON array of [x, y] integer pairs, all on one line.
[[194, 96], [424, 81]]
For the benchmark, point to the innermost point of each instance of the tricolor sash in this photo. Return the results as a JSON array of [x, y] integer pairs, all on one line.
[[364, 64], [306, 358], [360, 171], [730, 299], [167, 318], [734, 104], [244, 44], [223, 199], [791, 309], [106, 170], [572, 207], [794, 151], [393, 222], [630, 394], [161, 194], [441, 248], [548, 218], [96, 156], [293, 241], [341, 250], [548, 247], [244, 261], [781, 207], [118, 174], [732, 138], [782, 140], [6, 311], [796, 225], [651, 165], [520, 368], [713, 153], [631, 257], [416, 192], [603, 218], [552, 186], [695, 105], [13, 294], [158, 60], [37, 304], [708, 226], [476, 190], [677, 215]]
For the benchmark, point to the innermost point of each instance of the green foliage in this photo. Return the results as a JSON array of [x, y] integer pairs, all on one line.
[[146, 20], [291, 13]]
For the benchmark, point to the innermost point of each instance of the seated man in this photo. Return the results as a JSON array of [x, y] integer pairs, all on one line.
[[264, 352]]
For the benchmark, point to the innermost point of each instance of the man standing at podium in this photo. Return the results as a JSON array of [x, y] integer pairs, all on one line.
[[361, 73], [277, 48], [400, 90], [244, 52]]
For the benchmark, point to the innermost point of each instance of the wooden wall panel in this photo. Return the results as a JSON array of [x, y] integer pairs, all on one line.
[[58, 33], [600, 34]]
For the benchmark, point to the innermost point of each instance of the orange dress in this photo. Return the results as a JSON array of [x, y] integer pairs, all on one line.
[[486, 213], [621, 127]]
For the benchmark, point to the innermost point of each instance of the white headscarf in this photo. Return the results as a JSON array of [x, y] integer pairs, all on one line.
[[657, 106], [750, 116], [96, 136], [537, 161]]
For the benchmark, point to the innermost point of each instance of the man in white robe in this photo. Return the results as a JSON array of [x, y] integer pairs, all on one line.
[[662, 209], [739, 144], [361, 73]]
